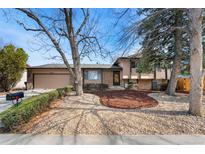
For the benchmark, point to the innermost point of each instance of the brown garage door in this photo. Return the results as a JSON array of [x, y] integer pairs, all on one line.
[[51, 81]]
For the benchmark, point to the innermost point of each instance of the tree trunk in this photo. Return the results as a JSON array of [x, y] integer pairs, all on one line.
[[173, 78], [177, 58], [78, 74], [74, 49], [196, 54], [78, 81], [77, 68]]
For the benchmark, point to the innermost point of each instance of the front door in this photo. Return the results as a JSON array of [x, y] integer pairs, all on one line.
[[116, 78]]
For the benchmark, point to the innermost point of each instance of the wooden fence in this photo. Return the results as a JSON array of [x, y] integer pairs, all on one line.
[[183, 84]]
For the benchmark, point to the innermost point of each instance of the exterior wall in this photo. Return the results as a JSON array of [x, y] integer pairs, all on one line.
[[142, 84], [108, 77], [145, 84], [21, 83], [160, 74], [32, 72], [125, 64], [134, 74], [147, 76], [92, 81]]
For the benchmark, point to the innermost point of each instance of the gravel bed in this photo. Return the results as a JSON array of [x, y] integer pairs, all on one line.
[[85, 115]]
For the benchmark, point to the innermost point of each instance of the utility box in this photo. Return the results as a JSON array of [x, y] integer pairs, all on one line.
[[154, 85]]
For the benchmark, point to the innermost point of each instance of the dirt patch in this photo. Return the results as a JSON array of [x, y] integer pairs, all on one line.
[[126, 99]]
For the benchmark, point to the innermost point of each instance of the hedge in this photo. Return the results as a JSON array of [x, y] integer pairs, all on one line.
[[17, 115], [98, 86]]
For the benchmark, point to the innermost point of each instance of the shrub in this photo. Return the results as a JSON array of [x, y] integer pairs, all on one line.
[[17, 115], [94, 86]]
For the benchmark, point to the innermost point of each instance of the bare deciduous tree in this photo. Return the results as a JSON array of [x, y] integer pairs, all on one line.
[[78, 35]]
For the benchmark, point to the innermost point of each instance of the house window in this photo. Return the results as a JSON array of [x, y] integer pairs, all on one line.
[[92, 75], [132, 64]]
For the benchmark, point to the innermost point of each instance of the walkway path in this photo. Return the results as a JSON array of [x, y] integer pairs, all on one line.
[[13, 139]]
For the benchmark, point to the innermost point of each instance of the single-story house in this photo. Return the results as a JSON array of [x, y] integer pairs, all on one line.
[[120, 73]]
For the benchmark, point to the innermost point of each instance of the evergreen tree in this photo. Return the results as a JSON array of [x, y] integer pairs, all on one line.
[[165, 42], [12, 65]]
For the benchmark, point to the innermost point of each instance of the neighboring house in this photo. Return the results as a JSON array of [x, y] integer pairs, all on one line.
[[21, 84], [120, 73]]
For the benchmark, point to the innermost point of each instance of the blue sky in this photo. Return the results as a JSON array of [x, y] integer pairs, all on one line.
[[11, 32]]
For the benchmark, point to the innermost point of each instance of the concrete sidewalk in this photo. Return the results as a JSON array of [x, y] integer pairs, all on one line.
[[29, 139]]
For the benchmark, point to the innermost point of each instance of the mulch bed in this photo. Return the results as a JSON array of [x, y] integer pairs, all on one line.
[[126, 99]]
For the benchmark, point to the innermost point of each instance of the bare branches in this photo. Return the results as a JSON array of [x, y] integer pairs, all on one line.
[[120, 17], [29, 29], [31, 15], [82, 38], [63, 32], [86, 16], [90, 45]]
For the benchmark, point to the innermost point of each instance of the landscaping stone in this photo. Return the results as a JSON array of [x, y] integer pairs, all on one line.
[[164, 98], [78, 115]]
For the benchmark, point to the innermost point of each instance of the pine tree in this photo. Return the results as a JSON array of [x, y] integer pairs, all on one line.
[[165, 42]]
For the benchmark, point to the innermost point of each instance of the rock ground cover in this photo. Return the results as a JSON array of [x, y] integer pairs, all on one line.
[[85, 115]]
